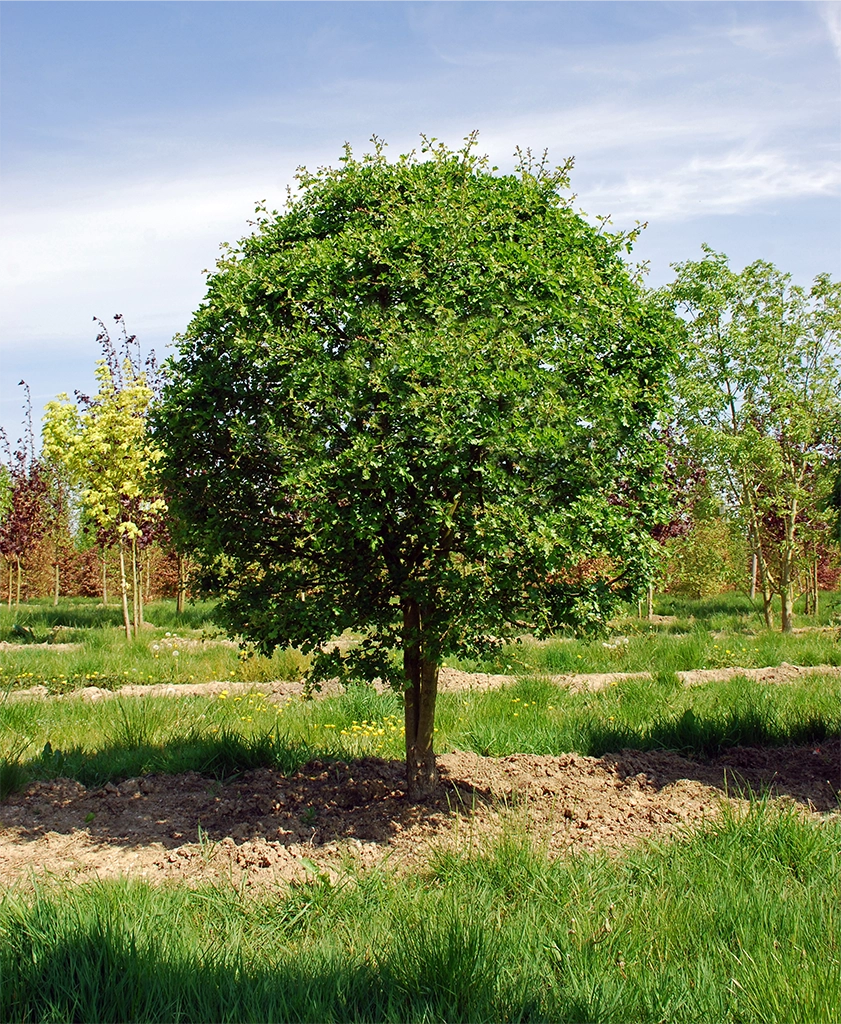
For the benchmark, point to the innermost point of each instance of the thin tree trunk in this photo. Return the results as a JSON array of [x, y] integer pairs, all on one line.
[[141, 585], [104, 577], [124, 589], [11, 578], [768, 607], [786, 573], [754, 563], [135, 587], [56, 582], [421, 671], [182, 585], [650, 601], [17, 592]]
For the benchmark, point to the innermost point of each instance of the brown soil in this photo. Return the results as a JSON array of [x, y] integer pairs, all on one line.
[[327, 818]]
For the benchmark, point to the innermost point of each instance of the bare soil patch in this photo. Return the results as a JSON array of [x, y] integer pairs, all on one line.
[[265, 828]]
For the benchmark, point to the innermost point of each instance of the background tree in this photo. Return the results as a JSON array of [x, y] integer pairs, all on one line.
[[107, 452], [760, 385], [415, 403], [23, 488]]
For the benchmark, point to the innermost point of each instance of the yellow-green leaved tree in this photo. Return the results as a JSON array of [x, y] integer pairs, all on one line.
[[103, 443]]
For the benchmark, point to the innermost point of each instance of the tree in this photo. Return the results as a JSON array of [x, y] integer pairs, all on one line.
[[761, 388], [109, 455], [23, 489], [421, 403]]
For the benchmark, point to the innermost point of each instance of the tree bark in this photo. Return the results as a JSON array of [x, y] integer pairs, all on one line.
[[124, 589], [135, 587], [786, 572], [420, 665], [17, 592], [182, 585], [56, 583], [104, 577]]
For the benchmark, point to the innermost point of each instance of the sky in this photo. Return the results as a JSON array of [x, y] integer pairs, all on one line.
[[136, 137]]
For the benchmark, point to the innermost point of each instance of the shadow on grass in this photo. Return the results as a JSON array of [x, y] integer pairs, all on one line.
[[698, 735], [222, 756], [100, 974]]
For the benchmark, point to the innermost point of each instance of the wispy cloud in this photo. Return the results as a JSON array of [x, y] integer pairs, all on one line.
[[830, 12], [733, 183]]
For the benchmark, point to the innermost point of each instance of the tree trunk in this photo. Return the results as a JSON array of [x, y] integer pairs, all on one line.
[[650, 601], [56, 583], [11, 577], [124, 589], [766, 584], [787, 573], [421, 669], [135, 587], [104, 577], [786, 602], [147, 579], [182, 585], [753, 568], [17, 592]]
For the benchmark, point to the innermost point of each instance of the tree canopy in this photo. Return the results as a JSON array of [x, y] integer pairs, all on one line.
[[420, 402], [107, 452], [761, 405]]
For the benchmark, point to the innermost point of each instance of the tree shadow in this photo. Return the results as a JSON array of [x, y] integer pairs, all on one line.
[[104, 972], [254, 792], [809, 774]]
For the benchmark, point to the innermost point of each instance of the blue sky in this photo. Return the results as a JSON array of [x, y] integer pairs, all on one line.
[[136, 137]]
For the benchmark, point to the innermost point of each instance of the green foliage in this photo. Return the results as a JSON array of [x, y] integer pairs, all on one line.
[[107, 452], [423, 385], [707, 560], [760, 387]]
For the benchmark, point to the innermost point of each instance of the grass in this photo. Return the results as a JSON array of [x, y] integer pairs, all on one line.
[[220, 736], [183, 648], [172, 648], [735, 923]]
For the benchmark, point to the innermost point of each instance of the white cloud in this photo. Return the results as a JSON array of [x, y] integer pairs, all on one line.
[[143, 245], [830, 11], [734, 182]]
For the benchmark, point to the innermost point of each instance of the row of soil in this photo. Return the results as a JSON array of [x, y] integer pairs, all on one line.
[[264, 828]]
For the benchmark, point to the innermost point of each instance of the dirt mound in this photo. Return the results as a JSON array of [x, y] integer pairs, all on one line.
[[265, 828]]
